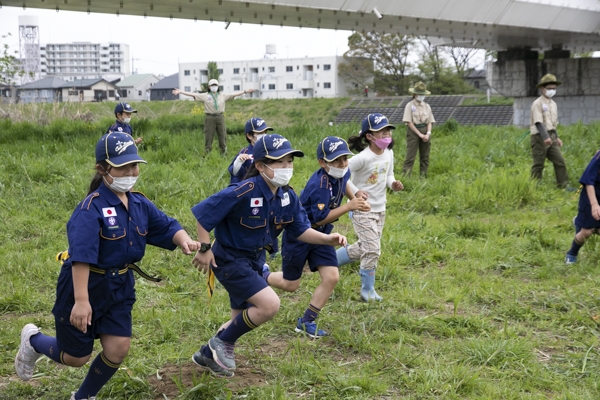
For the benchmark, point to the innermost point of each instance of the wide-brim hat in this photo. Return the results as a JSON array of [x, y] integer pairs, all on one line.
[[331, 148], [547, 80], [117, 149], [374, 123], [419, 88], [273, 147], [257, 125]]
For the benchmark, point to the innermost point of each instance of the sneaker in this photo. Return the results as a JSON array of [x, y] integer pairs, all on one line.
[[26, 356], [577, 228], [570, 259], [210, 365], [222, 352], [310, 329], [89, 398]]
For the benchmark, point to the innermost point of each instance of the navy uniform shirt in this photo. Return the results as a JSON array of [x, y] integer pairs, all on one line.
[[247, 216], [322, 194], [591, 176], [119, 126], [245, 166]]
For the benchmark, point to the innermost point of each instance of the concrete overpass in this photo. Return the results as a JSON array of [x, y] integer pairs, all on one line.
[[572, 25]]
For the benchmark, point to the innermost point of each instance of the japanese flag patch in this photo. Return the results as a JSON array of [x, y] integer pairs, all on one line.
[[256, 202], [109, 212]]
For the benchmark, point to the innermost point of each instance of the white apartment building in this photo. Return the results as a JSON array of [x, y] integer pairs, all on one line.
[[85, 60], [289, 78]]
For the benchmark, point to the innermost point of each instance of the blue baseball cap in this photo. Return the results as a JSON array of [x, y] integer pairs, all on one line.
[[273, 146], [117, 149], [331, 148], [257, 125], [375, 122], [124, 107]]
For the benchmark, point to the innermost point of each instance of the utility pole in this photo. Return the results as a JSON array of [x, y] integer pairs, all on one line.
[[132, 60]]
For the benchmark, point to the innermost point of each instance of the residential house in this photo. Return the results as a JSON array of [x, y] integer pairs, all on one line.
[[136, 87], [477, 79], [163, 90], [88, 90], [45, 90]]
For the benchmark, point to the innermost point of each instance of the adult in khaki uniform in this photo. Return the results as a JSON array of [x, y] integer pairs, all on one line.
[[418, 119], [214, 107], [545, 143]]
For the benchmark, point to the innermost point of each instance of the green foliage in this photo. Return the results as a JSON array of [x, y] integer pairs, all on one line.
[[357, 72], [9, 63], [213, 70], [481, 100]]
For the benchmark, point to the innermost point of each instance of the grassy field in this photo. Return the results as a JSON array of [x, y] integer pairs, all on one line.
[[478, 303]]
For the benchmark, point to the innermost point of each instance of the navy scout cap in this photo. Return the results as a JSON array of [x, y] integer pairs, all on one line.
[[124, 107], [257, 125], [375, 122], [273, 146], [117, 149], [331, 148]]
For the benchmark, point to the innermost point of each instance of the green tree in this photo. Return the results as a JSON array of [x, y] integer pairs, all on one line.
[[461, 56], [10, 68], [213, 71], [389, 54], [356, 71]]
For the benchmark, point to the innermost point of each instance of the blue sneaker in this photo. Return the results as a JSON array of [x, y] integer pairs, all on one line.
[[570, 259], [210, 365], [577, 228], [310, 329], [222, 353]]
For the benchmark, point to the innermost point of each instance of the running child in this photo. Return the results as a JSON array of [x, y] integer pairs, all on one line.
[[322, 200], [587, 220], [372, 172], [255, 129], [107, 234], [246, 217]]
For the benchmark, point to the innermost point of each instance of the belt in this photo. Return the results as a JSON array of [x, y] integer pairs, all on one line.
[[111, 272], [420, 125], [214, 114]]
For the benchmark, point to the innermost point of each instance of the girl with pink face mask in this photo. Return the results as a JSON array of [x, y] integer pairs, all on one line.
[[372, 172]]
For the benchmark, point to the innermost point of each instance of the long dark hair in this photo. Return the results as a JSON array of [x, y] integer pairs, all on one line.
[[97, 179], [360, 142], [252, 171]]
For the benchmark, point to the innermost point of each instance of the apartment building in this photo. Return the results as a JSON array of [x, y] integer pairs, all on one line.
[[85, 60], [289, 78]]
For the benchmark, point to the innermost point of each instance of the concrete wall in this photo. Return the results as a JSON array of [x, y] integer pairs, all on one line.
[[578, 98]]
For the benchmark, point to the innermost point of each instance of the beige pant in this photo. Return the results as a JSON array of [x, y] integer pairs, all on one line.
[[368, 227]]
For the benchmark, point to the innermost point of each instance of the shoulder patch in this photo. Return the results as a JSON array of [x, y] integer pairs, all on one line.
[[320, 206], [244, 188], [87, 202]]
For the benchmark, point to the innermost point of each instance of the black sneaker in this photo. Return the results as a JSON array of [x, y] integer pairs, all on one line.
[[210, 365]]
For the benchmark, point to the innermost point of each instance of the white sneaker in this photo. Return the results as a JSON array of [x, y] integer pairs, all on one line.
[[26, 356], [73, 397]]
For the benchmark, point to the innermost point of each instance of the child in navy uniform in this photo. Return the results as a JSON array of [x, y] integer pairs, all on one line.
[[245, 217], [587, 220], [255, 129], [123, 113], [322, 200], [107, 233], [372, 174]]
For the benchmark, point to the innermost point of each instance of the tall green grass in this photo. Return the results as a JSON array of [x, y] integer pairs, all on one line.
[[478, 303]]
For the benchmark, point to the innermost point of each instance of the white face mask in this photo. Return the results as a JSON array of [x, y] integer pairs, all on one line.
[[281, 176], [550, 93], [121, 184], [420, 98], [214, 89], [127, 120], [336, 173]]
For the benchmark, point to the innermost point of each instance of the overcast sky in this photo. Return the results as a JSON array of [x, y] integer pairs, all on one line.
[[159, 44]]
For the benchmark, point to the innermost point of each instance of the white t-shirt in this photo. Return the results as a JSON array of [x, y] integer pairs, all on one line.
[[373, 173]]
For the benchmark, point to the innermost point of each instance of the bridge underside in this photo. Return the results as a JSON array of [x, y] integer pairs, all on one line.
[[492, 25]]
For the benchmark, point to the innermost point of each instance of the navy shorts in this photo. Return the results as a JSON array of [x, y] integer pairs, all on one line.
[[585, 220], [240, 274], [295, 254]]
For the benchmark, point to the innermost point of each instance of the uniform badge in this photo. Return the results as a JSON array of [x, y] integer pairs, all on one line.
[[109, 212], [112, 220], [285, 200], [320, 207], [414, 109], [255, 211], [545, 107], [256, 202]]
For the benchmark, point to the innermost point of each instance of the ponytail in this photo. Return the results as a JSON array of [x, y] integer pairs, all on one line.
[[97, 178]]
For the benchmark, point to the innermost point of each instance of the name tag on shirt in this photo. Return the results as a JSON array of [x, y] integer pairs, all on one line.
[[109, 212], [414, 109], [545, 107], [286, 200], [256, 202]]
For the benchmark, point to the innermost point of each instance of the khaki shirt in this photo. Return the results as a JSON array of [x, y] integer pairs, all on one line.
[[214, 103], [418, 113], [543, 110]]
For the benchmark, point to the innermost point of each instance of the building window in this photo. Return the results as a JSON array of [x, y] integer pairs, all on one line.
[[289, 85], [326, 85], [476, 83], [317, 66], [220, 88], [271, 69], [236, 87], [187, 89], [186, 72], [318, 84], [220, 71], [271, 86], [73, 92], [297, 67], [326, 67], [139, 92], [236, 70], [289, 68], [263, 86]]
